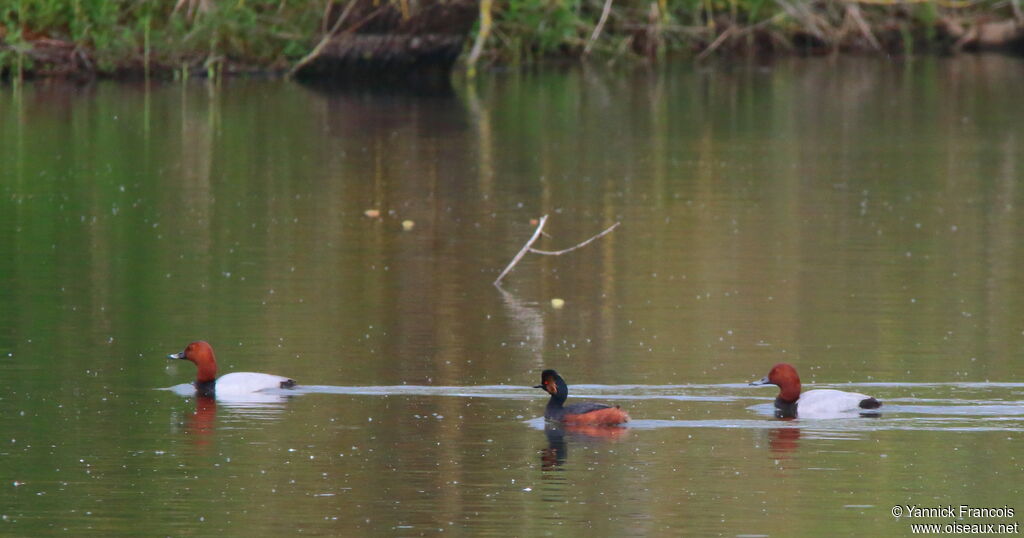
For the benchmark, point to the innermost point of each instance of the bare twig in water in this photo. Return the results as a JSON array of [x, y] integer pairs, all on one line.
[[570, 249], [528, 247], [523, 251], [599, 27]]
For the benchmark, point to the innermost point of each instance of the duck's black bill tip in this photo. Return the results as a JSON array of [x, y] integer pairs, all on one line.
[[762, 381]]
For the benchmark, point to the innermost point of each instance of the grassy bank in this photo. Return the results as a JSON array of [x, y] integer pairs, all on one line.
[[118, 36], [110, 37]]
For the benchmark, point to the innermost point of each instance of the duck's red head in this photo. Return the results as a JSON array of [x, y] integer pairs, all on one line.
[[201, 354], [785, 377]]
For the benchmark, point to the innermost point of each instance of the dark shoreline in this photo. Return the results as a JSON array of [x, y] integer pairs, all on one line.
[[367, 44], [384, 79]]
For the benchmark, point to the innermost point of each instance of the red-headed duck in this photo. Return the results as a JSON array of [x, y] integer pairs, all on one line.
[[818, 403], [238, 383], [581, 413]]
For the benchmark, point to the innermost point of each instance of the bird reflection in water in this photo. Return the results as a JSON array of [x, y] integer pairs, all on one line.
[[783, 444], [782, 441], [200, 425], [561, 435]]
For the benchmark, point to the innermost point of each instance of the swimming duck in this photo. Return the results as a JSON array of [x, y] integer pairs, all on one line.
[[238, 383], [818, 403]]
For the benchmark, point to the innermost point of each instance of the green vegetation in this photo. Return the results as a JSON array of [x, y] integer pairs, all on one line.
[[108, 36], [207, 36], [527, 29]]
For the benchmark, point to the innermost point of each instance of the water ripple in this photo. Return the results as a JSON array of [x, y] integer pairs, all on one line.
[[954, 406]]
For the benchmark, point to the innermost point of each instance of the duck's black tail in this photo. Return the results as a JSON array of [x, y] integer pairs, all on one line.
[[870, 403], [289, 384]]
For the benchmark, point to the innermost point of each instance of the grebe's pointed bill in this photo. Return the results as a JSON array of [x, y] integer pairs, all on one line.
[[178, 355], [762, 381], [538, 386]]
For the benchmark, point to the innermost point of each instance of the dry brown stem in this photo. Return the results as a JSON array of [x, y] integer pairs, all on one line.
[[528, 247]]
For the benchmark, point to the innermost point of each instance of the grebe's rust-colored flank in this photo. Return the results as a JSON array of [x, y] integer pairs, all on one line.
[[576, 414], [608, 415]]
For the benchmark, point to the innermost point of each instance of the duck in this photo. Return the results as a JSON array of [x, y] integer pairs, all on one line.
[[209, 385], [818, 403], [576, 414]]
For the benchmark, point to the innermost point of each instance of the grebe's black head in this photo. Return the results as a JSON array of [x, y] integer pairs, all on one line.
[[553, 384]]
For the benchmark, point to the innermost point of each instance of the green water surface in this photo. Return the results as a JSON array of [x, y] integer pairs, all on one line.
[[860, 218]]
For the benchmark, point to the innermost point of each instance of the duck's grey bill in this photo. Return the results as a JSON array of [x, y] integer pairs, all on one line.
[[762, 381], [180, 355]]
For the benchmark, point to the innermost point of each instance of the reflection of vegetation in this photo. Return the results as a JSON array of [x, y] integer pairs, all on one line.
[[247, 227], [205, 35]]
